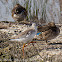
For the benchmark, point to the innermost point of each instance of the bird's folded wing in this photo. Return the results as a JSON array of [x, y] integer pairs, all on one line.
[[24, 34], [43, 28]]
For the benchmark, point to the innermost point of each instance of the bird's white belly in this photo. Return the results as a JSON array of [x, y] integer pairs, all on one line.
[[24, 40]]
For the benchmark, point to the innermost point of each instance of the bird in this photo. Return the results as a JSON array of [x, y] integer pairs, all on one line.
[[26, 36], [48, 32], [19, 13], [18, 33]]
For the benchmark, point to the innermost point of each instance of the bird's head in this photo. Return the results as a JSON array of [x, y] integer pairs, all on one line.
[[17, 5], [51, 24], [34, 26], [18, 9]]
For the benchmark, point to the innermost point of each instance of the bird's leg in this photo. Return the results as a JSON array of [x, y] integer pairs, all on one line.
[[29, 43], [24, 45], [23, 50], [32, 42]]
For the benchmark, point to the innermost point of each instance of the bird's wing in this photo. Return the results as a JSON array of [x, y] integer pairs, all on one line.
[[24, 34]]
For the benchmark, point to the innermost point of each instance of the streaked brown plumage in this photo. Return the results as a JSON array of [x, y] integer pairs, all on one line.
[[19, 13], [49, 31]]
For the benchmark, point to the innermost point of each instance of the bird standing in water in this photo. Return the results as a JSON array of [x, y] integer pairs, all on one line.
[[26, 36], [19, 13]]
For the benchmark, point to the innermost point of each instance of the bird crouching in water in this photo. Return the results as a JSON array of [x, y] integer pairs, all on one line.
[[49, 31], [19, 13]]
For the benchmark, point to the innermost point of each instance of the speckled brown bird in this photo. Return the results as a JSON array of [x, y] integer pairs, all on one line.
[[19, 13], [49, 31]]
